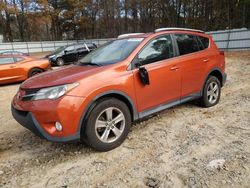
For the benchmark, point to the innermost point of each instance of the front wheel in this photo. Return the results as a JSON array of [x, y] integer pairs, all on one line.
[[108, 125], [60, 62], [211, 92]]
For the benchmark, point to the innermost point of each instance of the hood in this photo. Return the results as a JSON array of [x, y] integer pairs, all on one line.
[[60, 76], [48, 55]]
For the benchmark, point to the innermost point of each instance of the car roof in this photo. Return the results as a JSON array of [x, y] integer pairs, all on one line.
[[163, 30]]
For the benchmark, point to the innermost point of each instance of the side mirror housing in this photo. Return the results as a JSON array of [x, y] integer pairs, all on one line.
[[143, 73]]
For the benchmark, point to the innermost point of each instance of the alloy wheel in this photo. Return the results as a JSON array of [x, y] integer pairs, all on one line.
[[110, 125], [212, 92]]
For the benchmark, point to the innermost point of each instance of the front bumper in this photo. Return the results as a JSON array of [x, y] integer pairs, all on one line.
[[28, 120], [52, 61]]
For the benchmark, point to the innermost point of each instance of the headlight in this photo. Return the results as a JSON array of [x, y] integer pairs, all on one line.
[[50, 92]]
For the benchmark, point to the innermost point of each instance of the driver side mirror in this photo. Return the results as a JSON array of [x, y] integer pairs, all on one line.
[[143, 73], [65, 51]]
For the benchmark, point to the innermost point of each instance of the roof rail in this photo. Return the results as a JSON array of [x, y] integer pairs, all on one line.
[[177, 28], [129, 34]]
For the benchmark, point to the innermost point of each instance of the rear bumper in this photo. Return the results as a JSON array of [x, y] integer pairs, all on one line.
[[28, 120], [224, 79]]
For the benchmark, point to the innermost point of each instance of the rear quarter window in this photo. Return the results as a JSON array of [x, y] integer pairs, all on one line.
[[204, 41], [187, 43]]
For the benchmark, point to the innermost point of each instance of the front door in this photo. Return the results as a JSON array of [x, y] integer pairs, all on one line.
[[9, 69], [164, 75]]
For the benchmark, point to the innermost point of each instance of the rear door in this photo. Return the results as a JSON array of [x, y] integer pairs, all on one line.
[[164, 75], [192, 60]]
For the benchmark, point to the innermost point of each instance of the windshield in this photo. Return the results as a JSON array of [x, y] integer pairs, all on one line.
[[58, 50], [112, 52]]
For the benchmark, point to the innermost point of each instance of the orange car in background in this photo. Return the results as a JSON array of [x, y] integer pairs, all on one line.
[[16, 68]]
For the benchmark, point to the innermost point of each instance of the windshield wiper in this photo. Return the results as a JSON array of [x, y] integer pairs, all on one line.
[[90, 63]]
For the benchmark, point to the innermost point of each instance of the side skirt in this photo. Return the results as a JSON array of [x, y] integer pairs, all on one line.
[[168, 105]]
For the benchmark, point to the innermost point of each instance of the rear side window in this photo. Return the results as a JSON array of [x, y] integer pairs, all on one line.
[[187, 43], [204, 41], [157, 50], [6, 60]]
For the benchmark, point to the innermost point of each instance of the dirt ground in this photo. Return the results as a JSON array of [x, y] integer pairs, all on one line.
[[185, 146]]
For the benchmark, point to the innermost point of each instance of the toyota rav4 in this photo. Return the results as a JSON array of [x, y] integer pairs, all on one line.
[[127, 79]]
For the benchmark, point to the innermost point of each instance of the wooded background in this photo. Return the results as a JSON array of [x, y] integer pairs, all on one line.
[[39, 20]]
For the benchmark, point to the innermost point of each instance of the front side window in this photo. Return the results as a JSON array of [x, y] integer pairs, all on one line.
[[112, 52], [70, 48], [157, 50], [6, 60], [187, 43], [80, 47]]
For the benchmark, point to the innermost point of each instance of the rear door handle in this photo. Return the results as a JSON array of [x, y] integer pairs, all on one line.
[[174, 68], [12, 66], [206, 60]]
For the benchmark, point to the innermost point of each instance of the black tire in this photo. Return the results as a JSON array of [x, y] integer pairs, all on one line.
[[93, 135], [60, 62], [205, 100], [34, 72]]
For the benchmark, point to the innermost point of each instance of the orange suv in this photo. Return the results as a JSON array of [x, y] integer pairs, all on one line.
[[122, 81]]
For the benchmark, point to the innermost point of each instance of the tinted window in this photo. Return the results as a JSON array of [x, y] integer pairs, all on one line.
[[157, 50], [6, 60], [80, 47], [112, 52], [204, 41], [187, 43]]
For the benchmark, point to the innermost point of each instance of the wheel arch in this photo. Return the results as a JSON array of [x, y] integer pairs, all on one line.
[[109, 94], [217, 73], [32, 68]]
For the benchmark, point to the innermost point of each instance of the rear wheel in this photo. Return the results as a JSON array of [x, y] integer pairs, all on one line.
[[34, 72], [211, 92], [60, 62], [108, 125]]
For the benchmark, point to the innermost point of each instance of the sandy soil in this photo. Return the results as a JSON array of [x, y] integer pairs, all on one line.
[[185, 146]]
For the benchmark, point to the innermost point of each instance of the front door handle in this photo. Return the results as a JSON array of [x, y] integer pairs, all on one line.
[[174, 68], [12, 66], [206, 60]]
